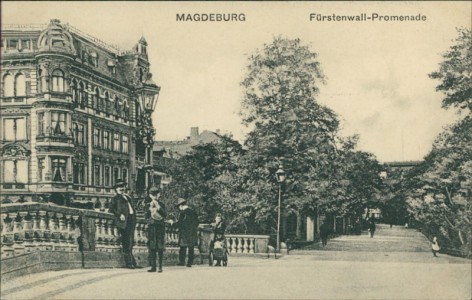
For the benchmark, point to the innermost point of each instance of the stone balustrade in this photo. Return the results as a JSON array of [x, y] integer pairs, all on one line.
[[26, 227], [39, 236], [247, 244]]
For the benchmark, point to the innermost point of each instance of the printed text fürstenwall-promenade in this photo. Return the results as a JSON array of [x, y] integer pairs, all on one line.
[[366, 17]]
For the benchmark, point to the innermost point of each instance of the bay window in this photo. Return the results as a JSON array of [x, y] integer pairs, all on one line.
[[57, 81], [58, 123], [59, 168]]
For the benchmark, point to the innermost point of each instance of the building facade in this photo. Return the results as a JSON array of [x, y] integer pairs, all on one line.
[[75, 116]]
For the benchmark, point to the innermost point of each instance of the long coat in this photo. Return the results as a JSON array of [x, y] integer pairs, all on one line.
[[188, 228], [119, 206], [324, 230], [156, 228]]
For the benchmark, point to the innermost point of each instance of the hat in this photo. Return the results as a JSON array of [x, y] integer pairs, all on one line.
[[181, 201], [154, 190], [119, 183]]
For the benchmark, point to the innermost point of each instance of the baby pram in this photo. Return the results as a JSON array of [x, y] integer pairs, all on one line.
[[218, 253]]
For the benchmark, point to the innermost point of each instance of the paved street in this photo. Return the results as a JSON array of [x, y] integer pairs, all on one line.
[[395, 264]]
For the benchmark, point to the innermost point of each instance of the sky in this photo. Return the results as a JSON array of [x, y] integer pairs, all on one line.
[[377, 71]]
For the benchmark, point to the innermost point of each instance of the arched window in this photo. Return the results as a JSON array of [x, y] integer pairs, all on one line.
[[125, 111], [96, 99], [82, 95], [57, 81], [20, 85], [8, 89], [75, 91], [117, 106], [107, 103]]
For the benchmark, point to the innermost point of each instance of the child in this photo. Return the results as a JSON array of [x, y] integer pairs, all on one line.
[[435, 246]]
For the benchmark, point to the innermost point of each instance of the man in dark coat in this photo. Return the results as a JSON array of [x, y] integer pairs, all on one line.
[[155, 213], [124, 209], [372, 227], [188, 232], [324, 233]]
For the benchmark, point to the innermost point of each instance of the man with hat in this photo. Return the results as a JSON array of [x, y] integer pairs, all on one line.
[[122, 206], [155, 213], [188, 232]]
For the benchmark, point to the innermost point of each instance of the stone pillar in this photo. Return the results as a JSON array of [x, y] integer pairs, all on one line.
[[310, 229]]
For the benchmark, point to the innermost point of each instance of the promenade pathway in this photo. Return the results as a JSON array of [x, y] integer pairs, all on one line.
[[395, 264]]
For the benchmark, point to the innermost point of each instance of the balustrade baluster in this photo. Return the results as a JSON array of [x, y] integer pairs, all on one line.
[[37, 234], [7, 237], [98, 235], [112, 236], [105, 237], [69, 233], [54, 229], [240, 245], [252, 242], [75, 233], [45, 231], [28, 224], [136, 236], [18, 233], [117, 236], [60, 227], [144, 234], [234, 245]]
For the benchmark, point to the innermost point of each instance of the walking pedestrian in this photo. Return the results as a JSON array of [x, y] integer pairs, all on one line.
[[324, 233], [435, 247], [188, 232], [123, 207], [372, 228], [155, 213]]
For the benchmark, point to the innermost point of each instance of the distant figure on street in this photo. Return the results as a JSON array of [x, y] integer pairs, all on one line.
[[155, 213], [372, 227], [435, 247], [188, 232], [324, 233], [122, 206], [406, 225]]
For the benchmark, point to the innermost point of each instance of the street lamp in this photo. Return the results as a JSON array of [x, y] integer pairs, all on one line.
[[280, 176]]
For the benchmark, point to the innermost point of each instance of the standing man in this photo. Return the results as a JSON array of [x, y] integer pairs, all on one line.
[[324, 233], [372, 227], [155, 213], [122, 206], [188, 232]]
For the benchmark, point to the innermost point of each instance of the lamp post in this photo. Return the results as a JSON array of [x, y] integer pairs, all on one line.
[[280, 176]]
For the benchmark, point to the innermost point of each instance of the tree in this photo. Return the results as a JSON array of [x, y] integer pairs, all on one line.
[[455, 73], [198, 176], [440, 193], [291, 128]]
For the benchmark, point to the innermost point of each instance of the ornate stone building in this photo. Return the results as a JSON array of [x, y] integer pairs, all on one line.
[[75, 116]]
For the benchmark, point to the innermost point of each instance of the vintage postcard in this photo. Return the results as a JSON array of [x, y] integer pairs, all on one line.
[[236, 150]]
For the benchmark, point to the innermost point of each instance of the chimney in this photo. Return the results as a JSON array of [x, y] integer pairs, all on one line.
[[193, 133], [218, 131]]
